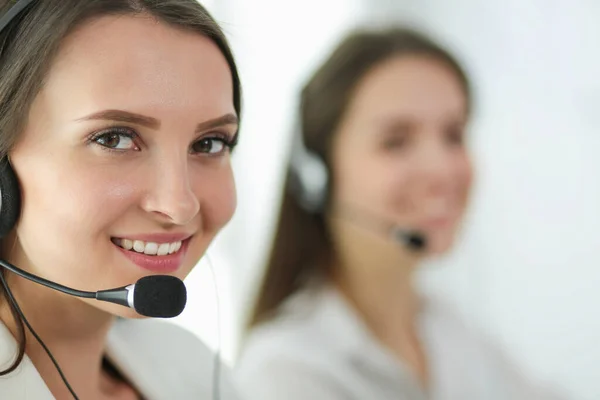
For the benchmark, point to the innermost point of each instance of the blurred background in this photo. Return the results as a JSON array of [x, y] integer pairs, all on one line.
[[527, 270]]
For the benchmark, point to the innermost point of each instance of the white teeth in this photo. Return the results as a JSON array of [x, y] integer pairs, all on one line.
[[127, 244], [139, 246], [149, 248], [163, 249]]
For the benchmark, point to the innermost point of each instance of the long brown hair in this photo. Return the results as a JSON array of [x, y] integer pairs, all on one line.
[[31, 41], [302, 247]]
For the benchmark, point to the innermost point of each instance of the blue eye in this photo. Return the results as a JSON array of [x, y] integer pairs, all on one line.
[[116, 139], [211, 145]]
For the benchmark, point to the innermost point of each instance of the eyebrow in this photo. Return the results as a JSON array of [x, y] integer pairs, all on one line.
[[227, 119], [394, 121], [153, 123]]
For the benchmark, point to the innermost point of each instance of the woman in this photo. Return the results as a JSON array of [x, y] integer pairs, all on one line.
[[337, 315], [118, 119]]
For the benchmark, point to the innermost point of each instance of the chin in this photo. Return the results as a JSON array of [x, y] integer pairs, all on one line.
[[115, 310], [129, 313]]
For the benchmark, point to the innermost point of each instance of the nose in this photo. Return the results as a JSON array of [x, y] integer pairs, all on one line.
[[432, 158], [436, 165], [170, 195]]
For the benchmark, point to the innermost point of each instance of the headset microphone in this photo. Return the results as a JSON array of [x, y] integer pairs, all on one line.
[[158, 296], [161, 296], [411, 239]]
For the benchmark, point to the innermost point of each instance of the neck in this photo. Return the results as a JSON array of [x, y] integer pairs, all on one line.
[[383, 296], [376, 279], [374, 272], [73, 331]]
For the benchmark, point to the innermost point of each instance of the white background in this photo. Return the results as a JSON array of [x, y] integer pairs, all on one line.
[[527, 269]]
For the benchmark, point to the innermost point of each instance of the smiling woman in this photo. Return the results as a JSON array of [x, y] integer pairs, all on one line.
[[119, 118]]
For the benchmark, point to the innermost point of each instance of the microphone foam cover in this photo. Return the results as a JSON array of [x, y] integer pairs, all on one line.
[[413, 240], [159, 296], [416, 241]]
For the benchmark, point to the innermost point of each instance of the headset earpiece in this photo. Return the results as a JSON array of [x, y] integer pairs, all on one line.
[[309, 177], [10, 198]]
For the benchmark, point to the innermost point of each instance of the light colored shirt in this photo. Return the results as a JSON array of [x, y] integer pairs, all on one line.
[[162, 360], [318, 348]]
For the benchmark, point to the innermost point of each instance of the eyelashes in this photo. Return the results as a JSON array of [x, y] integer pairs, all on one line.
[[124, 139], [116, 139], [455, 136], [451, 136]]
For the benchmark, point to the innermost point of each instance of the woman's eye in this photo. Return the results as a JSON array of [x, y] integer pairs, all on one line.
[[397, 136], [394, 142], [455, 136], [210, 146], [116, 140]]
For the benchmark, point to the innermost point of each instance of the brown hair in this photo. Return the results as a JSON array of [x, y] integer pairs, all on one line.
[[302, 248], [31, 41]]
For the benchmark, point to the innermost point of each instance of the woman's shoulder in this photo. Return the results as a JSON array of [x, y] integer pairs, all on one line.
[[308, 321], [24, 382], [166, 359], [313, 329], [469, 361], [316, 347], [287, 357], [163, 338], [149, 329]]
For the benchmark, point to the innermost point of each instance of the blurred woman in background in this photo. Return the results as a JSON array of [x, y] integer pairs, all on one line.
[[379, 180]]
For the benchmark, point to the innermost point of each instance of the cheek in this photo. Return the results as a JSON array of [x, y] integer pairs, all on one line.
[[84, 200], [218, 200], [389, 185], [217, 197], [463, 176], [66, 215], [362, 183]]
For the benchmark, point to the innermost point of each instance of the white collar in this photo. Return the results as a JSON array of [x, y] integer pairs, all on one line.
[[162, 360], [25, 382]]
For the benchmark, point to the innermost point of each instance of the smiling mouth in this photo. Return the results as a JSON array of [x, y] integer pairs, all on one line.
[[148, 248]]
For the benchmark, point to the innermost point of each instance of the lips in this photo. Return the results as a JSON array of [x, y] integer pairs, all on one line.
[[155, 256], [438, 222]]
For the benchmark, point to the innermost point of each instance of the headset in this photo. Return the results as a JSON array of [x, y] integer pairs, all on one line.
[[309, 177], [10, 192]]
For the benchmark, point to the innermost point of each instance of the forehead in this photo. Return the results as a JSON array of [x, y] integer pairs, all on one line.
[[136, 62], [412, 85]]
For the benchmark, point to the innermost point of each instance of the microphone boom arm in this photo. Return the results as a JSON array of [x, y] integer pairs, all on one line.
[[47, 283]]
